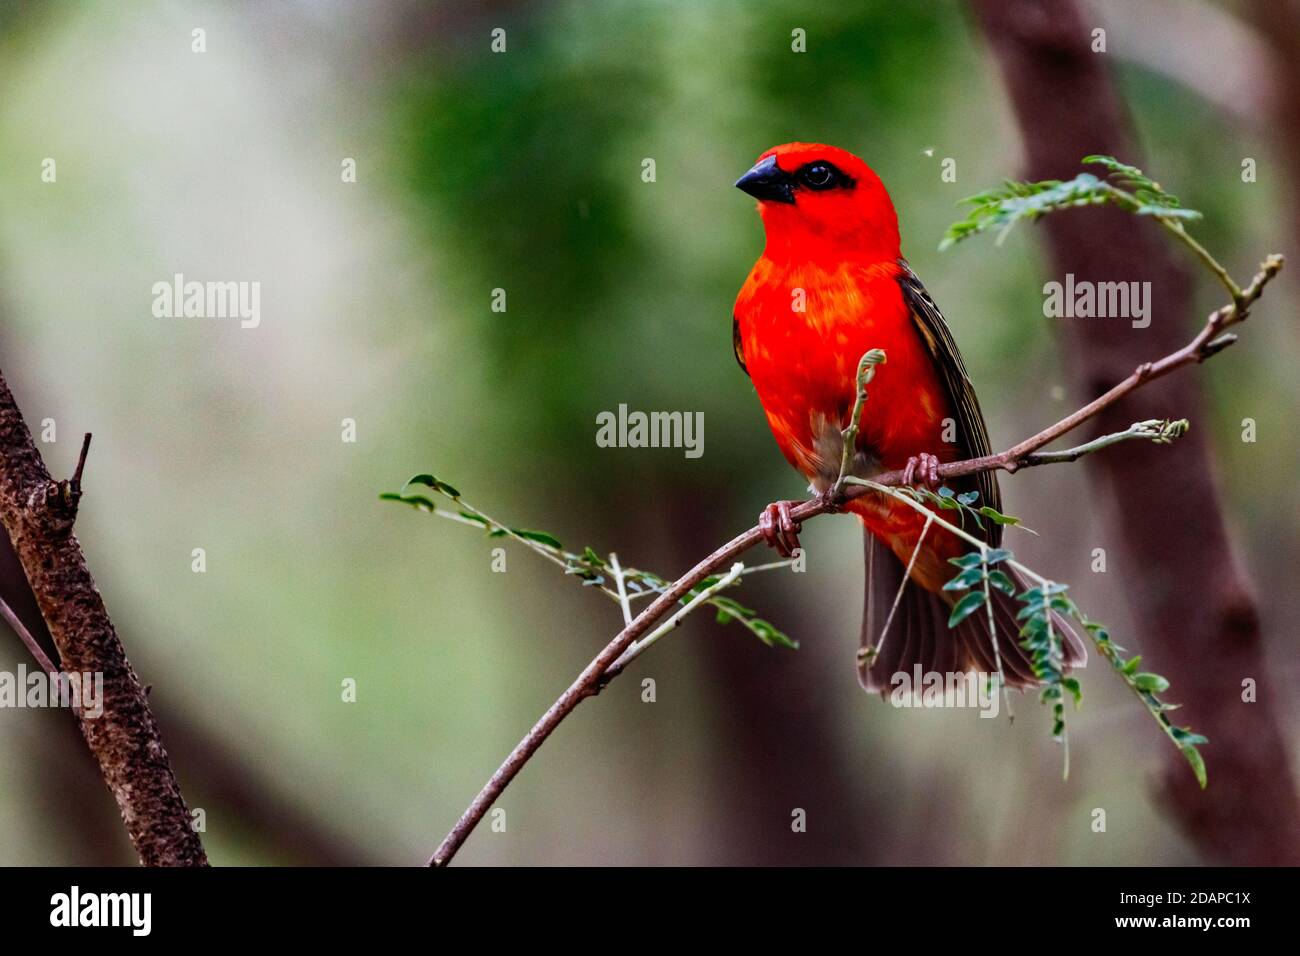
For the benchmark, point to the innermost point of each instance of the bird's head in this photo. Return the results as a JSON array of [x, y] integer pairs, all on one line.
[[814, 197]]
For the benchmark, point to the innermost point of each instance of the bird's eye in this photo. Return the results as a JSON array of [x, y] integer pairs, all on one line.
[[819, 176]]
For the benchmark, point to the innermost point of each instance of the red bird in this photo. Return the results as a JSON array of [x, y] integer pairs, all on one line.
[[832, 284]]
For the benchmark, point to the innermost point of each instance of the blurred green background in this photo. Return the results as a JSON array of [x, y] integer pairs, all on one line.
[[522, 171]]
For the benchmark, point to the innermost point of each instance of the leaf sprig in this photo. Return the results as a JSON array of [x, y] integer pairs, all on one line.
[[1148, 686], [1044, 643], [587, 565], [1124, 185], [965, 505]]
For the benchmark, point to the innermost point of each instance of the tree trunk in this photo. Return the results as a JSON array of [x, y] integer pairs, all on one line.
[[1198, 618]]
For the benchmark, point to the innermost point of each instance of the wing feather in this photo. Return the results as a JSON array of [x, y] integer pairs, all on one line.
[[972, 434]]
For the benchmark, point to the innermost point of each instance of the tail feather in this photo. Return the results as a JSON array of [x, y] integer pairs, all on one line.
[[919, 634]]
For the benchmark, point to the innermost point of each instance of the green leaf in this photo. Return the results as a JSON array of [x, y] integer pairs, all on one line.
[[997, 517], [966, 607], [968, 578], [971, 560], [1098, 631], [761, 629], [1151, 683], [1172, 212], [541, 537], [734, 608], [1198, 765], [419, 502], [999, 580], [435, 483], [1185, 738], [1076, 691], [1131, 173], [995, 555], [1002, 208], [1132, 664], [1151, 196], [1033, 610], [770, 635]]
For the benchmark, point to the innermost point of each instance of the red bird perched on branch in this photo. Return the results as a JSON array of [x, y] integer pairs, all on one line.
[[831, 285]]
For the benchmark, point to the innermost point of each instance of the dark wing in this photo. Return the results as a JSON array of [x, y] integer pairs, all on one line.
[[735, 343], [972, 435]]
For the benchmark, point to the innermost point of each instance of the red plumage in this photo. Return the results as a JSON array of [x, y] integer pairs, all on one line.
[[830, 285]]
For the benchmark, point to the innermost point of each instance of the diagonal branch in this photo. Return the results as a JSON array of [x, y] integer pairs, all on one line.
[[1209, 341], [39, 512]]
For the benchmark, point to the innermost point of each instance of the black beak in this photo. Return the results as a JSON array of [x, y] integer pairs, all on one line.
[[767, 181]]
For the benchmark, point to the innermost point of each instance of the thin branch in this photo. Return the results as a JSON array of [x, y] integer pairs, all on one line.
[[849, 436], [1209, 341], [586, 685], [622, 589], [1059, 660], [1155, 430], [870, 655], [24, 635], [640, 647], [1227, 281], [81, 463], [993, 628]]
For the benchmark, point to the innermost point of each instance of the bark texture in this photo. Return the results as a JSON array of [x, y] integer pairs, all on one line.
[[38, 514]]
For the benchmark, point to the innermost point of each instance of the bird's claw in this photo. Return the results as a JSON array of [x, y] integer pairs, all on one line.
[[922, 469], [780, 529]]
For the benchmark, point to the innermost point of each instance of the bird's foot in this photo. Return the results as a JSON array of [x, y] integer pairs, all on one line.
[[922, 469], [779, 528]]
